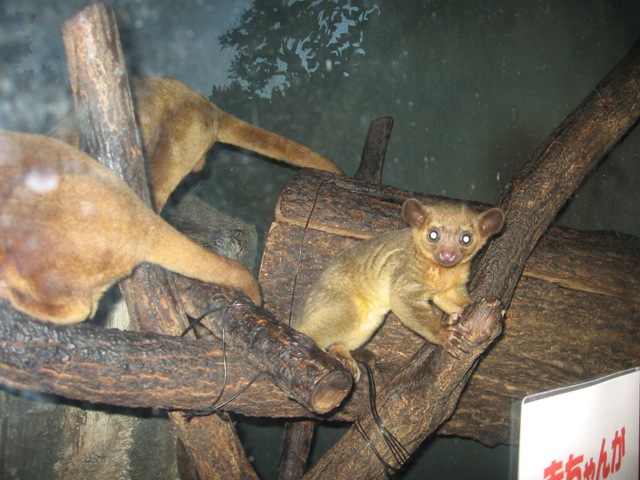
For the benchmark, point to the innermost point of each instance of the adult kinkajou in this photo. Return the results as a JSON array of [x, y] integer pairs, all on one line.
[[70, 228], [179, 126], [405, 271]]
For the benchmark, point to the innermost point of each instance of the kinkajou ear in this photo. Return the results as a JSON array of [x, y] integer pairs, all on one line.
[[491, 222], [414, 213]]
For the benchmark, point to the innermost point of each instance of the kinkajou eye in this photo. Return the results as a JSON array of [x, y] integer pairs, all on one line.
[[433, 235], [465, 238]]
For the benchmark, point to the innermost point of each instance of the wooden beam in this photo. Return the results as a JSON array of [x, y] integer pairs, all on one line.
[[108, 130]]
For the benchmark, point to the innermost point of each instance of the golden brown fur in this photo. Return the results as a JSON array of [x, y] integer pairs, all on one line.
[[179, 126], [70, 228], [405, 272]]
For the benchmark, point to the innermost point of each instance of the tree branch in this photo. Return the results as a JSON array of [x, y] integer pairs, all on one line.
[[553, 173], [531, 202], [108, 130]]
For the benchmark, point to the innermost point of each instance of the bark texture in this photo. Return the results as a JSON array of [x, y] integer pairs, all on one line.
[[102, 99], [572, 300]]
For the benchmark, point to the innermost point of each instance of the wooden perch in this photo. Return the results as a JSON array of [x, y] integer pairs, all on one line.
[[296, 446], [311, 376], [550, 177], [555, 170], [98, 75], [375, 150], [108, 132], [104, 109], [109, 366], [93, 364]]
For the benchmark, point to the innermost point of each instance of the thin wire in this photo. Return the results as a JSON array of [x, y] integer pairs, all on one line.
[[399, 452], [304, 236], [215, 408], [196, 321]]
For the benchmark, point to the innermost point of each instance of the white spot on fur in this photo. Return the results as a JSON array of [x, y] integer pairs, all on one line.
[[42, 181]]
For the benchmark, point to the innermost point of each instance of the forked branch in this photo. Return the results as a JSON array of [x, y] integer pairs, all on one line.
[[424, 392]]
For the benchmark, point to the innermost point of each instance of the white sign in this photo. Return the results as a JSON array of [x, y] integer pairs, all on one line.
[[589, 431]]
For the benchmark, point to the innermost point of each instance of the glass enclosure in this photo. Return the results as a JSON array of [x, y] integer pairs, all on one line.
[[473, 89]]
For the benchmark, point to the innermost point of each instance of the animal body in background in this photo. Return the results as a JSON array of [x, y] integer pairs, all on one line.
[[179, 126], [406, 271], [70, 228]]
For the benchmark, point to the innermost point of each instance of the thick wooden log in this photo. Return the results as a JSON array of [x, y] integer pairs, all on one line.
[[130, 369], [88, 363], [371, 210], [118, 362]]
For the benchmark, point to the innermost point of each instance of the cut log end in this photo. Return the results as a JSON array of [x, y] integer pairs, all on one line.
[[330, 391]]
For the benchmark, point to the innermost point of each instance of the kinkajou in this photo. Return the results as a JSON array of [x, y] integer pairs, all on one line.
[[179, 126], [405, 271], [70, 228]]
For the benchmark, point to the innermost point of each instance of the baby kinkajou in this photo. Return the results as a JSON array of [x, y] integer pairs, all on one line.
[[405, 272], [179, 126], [70, 228]]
